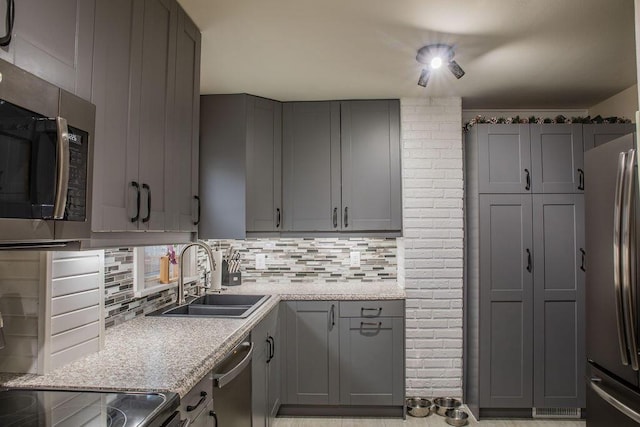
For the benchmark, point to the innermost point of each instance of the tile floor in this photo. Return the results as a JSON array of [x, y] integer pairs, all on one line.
[[430, 421]]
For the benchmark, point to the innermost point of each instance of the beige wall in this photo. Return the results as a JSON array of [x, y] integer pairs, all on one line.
[[623, 104]]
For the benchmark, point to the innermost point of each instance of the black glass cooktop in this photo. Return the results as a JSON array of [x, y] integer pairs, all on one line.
[[35, 408]]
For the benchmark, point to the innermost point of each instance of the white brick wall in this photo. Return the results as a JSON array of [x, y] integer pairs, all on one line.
[[431, 251]]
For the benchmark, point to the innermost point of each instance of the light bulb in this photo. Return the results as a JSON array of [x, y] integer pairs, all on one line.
[[436, 62]]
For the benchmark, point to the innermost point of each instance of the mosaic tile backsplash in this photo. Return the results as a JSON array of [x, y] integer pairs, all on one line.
[[290, 260]]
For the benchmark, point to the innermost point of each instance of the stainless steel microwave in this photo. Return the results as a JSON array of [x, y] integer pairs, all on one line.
[[46, 164]]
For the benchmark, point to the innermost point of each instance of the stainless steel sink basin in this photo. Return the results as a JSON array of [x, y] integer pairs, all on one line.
[[216, 305]]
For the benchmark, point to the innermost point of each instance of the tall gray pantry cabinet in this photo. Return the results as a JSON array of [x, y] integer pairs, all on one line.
[[524, 294]]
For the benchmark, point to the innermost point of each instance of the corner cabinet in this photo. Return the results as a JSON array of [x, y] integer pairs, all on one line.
[[145, 88], [525, 271], [344, 357], [240, 166], [341, 162], [54, 41]]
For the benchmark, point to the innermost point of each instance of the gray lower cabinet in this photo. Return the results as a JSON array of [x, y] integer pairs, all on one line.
[[372, 353], [532, 301], [240, 165], [312, 353], [54, 41], [598, 134], [266, 370], [197, 405], [347, 353]]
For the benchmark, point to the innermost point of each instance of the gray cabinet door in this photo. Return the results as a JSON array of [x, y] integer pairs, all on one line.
[[259, 387], [504, 158], [183, 160], [372, 361], [312, 360], [54, 41], [506, 301], [274, 368], [115, 165], [264, 164], [153, 53], [594, 135], [559, 298], [311, 166], [370, 144], [557, 158]]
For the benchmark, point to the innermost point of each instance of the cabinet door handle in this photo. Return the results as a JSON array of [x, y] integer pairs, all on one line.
[[335, 217], [582, 254], [332, 317], [271, 348], [11, 17], [278, 218], [527, 180], [346, 217], [197, 221], [374, 324], [148, 217], [137, 187], [580, 179], [377, 310], [203, 397], [215, 417], [529, 267]]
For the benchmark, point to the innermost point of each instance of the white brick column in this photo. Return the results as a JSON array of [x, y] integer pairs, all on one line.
[[432, 246]]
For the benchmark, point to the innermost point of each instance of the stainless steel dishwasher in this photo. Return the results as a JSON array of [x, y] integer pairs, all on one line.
[[232, 387]]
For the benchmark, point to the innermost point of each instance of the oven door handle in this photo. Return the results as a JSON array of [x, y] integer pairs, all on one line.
[[62, 169], [220, 380]]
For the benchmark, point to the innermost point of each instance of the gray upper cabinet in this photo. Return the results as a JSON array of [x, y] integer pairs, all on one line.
[[240, 152], [370, 146], [598, 134], [372, 355], [506, 296], [342, 166], [312, 359], [557, 158], [311, 166], [559, 277], [504, 157], [145, 88], [185, 144], [54, 41]]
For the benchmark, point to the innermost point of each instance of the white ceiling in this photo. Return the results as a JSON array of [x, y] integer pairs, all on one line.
[[516, 53]]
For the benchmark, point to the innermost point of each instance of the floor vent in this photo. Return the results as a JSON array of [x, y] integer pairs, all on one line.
[[556, 412]]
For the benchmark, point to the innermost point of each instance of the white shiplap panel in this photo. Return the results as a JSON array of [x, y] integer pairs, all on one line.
[[20, 364], [22, 287], [74, 337], [19, 269], [22, 346], [75, 302], [74, 284], [74, 254], [65, 322], [75, 266], [73, 353]]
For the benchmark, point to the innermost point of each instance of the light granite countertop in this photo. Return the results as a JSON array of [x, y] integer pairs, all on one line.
[[161, 354]]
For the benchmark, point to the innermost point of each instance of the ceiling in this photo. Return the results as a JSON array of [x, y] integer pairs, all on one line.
[[517, 53]]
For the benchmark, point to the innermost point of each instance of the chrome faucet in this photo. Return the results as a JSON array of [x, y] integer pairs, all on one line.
[[207, 249]]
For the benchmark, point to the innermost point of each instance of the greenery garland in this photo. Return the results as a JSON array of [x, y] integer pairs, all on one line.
[[540, 120]]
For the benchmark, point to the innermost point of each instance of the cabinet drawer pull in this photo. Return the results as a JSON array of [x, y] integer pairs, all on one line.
[[203, 397], [137, 187], [148, 217], [374, 324], [363, 310]]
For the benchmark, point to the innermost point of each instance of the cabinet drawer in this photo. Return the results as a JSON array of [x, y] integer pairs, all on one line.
[[201, 391], [372, 308]]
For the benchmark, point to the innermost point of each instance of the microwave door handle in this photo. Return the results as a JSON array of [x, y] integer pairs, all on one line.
[[627, 269], [617, 216], [62, 170]]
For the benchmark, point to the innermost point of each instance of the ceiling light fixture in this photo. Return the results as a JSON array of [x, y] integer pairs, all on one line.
[[434, 55]]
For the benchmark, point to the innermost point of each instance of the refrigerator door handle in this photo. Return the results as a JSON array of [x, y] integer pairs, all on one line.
[[593, 383], [629, 306], [617, 208]]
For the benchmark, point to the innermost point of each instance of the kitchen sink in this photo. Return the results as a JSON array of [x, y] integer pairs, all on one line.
[[216, 305]]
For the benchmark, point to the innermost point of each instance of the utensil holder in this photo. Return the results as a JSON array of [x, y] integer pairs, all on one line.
[[230, 279]]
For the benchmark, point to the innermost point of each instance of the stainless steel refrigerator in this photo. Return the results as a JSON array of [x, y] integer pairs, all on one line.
[[612, 218]]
